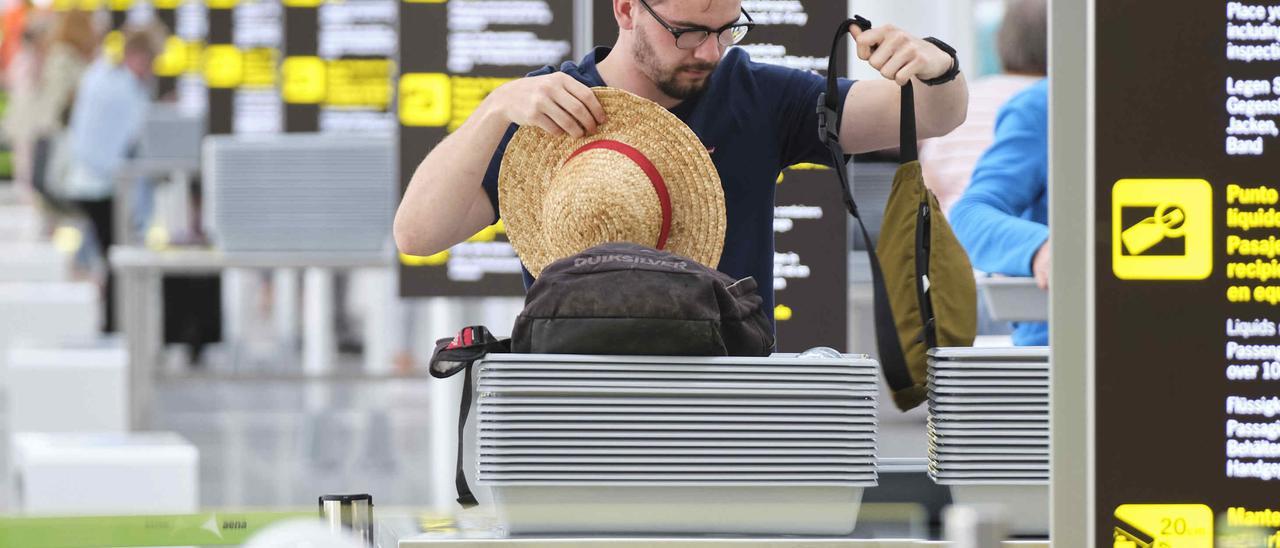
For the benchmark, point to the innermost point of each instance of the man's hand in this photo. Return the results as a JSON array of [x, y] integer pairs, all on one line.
[[1040, 266], [898, 55], [555, 102]]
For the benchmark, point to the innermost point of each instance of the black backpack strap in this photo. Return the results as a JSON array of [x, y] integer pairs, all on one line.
[[454, 355], [892, 360]]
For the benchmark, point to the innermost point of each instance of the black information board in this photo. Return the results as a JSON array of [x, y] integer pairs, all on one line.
[[223, 66], [452, 54], [257, 32], [1187, 354], [811, 260], [301, 70]]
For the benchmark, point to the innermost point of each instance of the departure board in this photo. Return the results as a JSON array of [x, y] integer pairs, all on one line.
[[811, 238], [191, 28], [257, 34], [1187, 273], [453, 54], [357, 43]]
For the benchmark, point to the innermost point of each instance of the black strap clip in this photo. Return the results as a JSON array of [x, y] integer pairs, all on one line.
[[828, 121]]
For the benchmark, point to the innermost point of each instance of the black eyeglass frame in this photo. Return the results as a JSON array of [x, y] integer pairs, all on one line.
[[677, 32]]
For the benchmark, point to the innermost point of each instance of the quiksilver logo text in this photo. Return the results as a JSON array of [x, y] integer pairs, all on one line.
[[619, 258]]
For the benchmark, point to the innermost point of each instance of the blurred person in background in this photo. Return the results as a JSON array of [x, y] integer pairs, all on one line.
[[14, 25], [1022, 45], [70, 48], [110, 107], [22, 67], [1002, 218]]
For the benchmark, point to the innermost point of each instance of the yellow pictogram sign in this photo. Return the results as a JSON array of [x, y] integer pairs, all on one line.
[[304, 81], [782, 313], [1162, 229], [425, 99], [172, 61], [1163, 526], [113, 46], [223, 66]]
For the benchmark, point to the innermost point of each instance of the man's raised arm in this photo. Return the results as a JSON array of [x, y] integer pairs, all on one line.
[[445, 202]]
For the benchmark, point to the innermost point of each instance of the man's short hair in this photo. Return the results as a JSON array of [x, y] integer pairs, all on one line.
[[1023, 40], [147, 39]]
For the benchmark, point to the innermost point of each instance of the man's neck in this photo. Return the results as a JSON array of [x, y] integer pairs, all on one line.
[[619, 70]]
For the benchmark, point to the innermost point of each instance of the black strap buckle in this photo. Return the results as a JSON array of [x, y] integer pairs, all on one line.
[[828, 121]]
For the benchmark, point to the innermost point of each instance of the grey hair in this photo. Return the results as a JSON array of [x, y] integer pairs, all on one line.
[[1023, 39]]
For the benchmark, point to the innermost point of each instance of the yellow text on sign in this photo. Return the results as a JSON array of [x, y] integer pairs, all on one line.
[[260, 68], [468, 93], [223, 66], [1147, 215], [304, 80], [1170, 525], [425, 99], [359, 83]]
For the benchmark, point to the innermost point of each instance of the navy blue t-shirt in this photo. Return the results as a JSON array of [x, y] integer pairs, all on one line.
[[755, 119]]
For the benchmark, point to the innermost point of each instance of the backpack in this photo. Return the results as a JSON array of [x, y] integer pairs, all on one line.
[[924, 290], [620, 299]]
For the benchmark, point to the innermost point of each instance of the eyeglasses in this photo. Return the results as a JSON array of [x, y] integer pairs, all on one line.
[[690, 38]]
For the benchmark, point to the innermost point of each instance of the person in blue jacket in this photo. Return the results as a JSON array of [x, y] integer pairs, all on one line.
[[1002, 219]]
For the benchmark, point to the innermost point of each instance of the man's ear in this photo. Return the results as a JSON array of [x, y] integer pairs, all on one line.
[[625, 12]]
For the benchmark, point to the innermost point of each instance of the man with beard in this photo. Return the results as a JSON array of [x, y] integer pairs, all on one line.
[[754, 119]]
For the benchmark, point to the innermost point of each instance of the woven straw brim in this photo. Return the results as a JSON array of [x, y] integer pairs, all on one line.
[[553, 209]]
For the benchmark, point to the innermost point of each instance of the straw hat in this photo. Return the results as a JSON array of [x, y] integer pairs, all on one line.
[[643, 177]]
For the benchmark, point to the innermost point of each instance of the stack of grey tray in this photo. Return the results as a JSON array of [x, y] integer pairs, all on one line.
[[300, 192], [989, 428], [639, 444]]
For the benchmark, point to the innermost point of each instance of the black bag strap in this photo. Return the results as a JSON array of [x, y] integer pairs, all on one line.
[[892, 360], [454, 355]]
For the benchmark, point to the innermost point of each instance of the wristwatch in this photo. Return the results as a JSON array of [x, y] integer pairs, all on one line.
[[950, 74]]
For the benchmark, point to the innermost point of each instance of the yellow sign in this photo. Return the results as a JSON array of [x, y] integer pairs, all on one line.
[[120, 5], [425, 99], [1162, 229], [173, 61], [113, 46], [223, 66], [195, 56], [221, 4], [304, 80], [260, 68], [439, 259], [166, 4], [359, 83], [486, 234], [303, 3], [467, 94], [1164, 526], [782, 313]]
